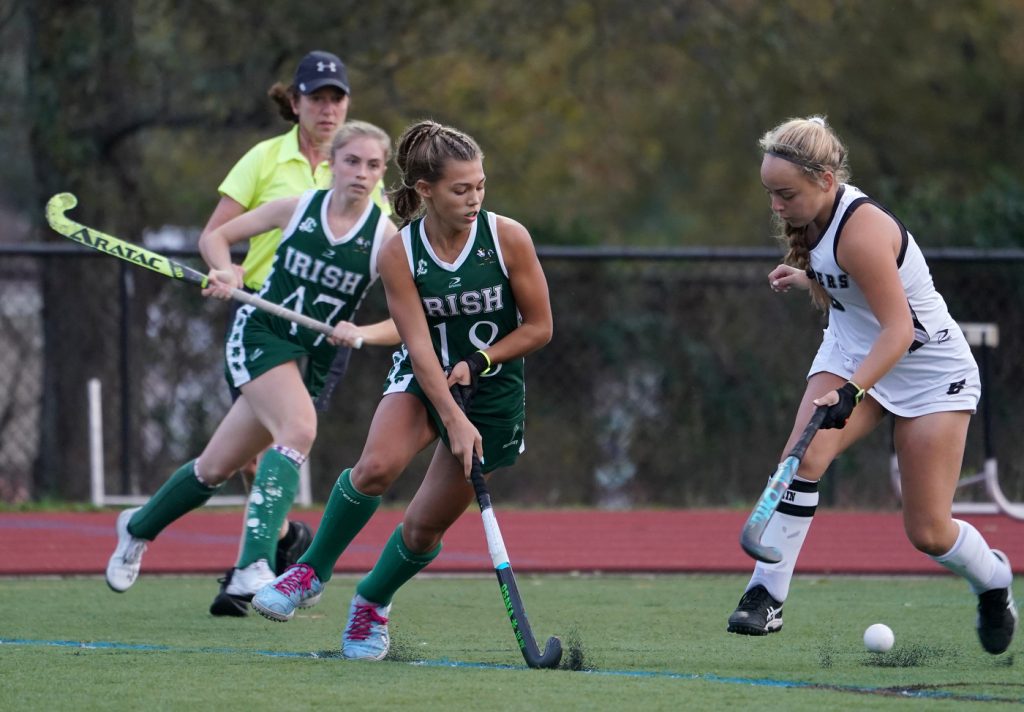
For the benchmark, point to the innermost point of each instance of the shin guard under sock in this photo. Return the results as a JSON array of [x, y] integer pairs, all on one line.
[[395, 566], [272, 494], [347, 512], [971, 558], [786, 531], [180, 494]]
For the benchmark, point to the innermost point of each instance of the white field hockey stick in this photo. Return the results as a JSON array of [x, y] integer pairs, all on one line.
[[768, 502], [108, 244], [552, 653]]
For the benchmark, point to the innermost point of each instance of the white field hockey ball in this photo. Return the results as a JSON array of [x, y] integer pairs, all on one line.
[[879, 638]]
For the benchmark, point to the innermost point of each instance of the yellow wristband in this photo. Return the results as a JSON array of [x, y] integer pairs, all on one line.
[[488, 360], [859, 396]]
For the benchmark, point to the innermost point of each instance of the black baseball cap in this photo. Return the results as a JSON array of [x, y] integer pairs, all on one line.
[[321, 69]]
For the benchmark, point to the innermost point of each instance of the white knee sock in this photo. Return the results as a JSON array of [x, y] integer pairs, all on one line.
[[786, 531], [972, 558]]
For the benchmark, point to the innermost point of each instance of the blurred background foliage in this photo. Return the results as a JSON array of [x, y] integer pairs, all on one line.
[[604, 122]]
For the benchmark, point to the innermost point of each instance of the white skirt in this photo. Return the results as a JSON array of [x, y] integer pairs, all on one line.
[[939, 376]]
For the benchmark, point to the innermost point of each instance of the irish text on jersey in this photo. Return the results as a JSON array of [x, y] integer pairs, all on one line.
[[313, 270], [474, 301]]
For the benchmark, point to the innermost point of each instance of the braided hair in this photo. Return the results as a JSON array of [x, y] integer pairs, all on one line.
[[424, 149], [811, 145]]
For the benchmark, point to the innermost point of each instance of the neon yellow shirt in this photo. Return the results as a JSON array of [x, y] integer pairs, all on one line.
[[274, 169]]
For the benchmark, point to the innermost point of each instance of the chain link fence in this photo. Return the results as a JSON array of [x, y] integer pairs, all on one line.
[[671, 380]]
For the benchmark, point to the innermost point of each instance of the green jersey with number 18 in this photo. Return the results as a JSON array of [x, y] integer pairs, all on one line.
[[468, 305]]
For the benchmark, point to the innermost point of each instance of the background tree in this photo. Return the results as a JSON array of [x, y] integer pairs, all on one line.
[[604, 122]]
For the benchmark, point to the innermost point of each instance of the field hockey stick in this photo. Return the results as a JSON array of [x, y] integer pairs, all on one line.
[[110, 245], [753, 530], [339, 366], [552, 654]]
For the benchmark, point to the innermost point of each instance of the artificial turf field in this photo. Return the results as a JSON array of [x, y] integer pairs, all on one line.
[[644, 643]]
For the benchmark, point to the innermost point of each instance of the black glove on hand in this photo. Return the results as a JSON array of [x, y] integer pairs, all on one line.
[[850, 394], [478, 364]]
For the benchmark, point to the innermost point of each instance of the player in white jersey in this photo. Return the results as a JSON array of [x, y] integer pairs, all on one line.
[[890, 347], [941, 377]]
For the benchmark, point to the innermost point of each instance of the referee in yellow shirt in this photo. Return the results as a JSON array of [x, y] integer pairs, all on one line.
[[316, 102]]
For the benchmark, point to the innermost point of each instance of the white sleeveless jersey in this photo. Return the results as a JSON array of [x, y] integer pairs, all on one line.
[[938, 373]]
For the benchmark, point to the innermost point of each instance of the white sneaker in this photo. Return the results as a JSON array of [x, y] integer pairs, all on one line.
[[246, 582], [124, 564], [366, 635], [297, 587]]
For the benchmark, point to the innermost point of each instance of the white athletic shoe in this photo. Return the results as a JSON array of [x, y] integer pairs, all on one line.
[[246, 582], [297, 587], [366, 635], [124, 564]]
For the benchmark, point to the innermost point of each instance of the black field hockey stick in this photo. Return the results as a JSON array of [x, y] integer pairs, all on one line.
[[552, 654], [753, 530], [339, 366], [59, 204]]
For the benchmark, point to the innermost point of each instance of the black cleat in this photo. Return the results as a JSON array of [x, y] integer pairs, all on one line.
[[227, 605], [997, 616], [238, 586], [292, 546], [757, 613]]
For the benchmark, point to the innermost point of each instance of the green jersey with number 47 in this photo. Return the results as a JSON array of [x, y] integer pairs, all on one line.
[[469, 306], [316, 273]]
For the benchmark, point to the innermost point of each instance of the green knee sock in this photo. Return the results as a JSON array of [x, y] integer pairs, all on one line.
[[178, 496], [348, 510], [395, 566], [273, 491]]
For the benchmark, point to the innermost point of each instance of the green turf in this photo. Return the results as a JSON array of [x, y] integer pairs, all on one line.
[[647, 642]]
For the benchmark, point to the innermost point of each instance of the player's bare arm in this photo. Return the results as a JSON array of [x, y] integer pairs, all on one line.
[[785, 277], [868, 252], [215, 244], [530, 289], [381, 333], [227, 209]]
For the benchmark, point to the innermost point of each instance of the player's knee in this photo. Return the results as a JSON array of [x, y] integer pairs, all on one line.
[[373, 474], [816, 460], [930, 538], [298, 436], [419, 538], [210, 473], [811, 470]]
